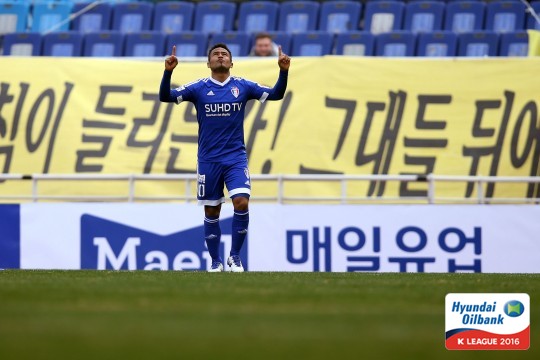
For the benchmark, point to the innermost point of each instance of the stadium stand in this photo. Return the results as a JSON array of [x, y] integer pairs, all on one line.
[[96, 18], [132, 17], [476, 44], [437, 44], [465, 16], [145, 44], [103, 44], [22, 44], [238, 42], [339, 16], [62, 44], [214, 16], [51, 16], [383, 16], [172, 17], [423, 16], [532, 23], [514, 44], [298, 16], [315, 43], [355, 43], [13, 17], [188, 44], [505, 16], [398, 43], [258, 16]]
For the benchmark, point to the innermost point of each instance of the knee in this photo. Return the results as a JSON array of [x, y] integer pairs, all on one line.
[[240, 203], [212, 211]]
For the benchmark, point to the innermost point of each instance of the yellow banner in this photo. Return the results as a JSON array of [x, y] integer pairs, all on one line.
[[340, 115]]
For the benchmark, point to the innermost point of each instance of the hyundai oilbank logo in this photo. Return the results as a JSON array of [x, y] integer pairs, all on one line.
[[514, 308]]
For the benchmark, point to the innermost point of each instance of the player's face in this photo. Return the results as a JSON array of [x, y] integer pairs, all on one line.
[[220, 60]]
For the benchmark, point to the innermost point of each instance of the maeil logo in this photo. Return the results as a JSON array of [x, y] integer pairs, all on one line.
[[109, 245]]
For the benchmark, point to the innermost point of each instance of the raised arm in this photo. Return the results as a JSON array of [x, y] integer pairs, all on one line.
[[278, 91], [165, 94]]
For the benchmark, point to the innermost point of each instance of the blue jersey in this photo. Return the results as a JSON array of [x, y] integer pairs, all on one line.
[[220, 111]]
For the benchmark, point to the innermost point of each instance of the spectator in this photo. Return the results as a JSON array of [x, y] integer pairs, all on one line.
[[264, 46]]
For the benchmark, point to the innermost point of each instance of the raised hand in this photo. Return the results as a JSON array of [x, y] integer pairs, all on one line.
[[171, 61], [284, 61]]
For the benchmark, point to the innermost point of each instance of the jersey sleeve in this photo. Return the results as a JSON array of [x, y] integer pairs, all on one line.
[[263, 93], [182, 93]]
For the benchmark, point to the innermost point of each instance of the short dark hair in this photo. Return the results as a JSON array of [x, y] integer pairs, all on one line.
[[263, 35], [219, 45]]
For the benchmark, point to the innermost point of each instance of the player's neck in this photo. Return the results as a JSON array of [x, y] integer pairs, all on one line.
[[220, 76]]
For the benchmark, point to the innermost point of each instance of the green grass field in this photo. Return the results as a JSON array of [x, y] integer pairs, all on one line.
[[197, 315]]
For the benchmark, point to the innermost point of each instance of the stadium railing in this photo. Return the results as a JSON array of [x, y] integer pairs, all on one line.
[[280, 181]]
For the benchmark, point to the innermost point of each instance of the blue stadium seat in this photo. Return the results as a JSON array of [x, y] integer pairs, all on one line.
[[465, 16], [514, 44], [481, 43], [214, 16], [298, 16], [172, 17], [505, 16], [103, 44], [355, 43], [67, 43], [188, 44], [132, 17], [314, 43], [258, 16], [238, 42], [13, 17], [280, 38], [532, 23], [383, 16], [22, 44], [397, 43], [47, 16], [95, 19], [424, 16], [340, 16], [145, 44], [437, 44]]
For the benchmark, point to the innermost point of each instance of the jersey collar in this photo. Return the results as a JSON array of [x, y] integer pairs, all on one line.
[[220, 83]]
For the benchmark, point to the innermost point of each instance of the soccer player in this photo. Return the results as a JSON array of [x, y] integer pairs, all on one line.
[[220, 101]]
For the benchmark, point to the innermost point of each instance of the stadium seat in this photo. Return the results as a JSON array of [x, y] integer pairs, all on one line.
[[238, 42], [188, 44], [355, 43], [514, 44], [398, 43], [214, 16], [22, 44], [315, 43], [103, 44], [145, 44], [482, 43], [424, 16], [437, 44], [298, 16], [258, 16], [132, 17], [465, 16], [62, 44], [97, 18], [532, 23], [383, 16], [13, 17], [339, 16], [281, 38], [505, 16], [51, 16], [172, 17]]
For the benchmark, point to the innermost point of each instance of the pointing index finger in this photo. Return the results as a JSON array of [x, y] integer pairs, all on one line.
[[279, 50], [173, 50]]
